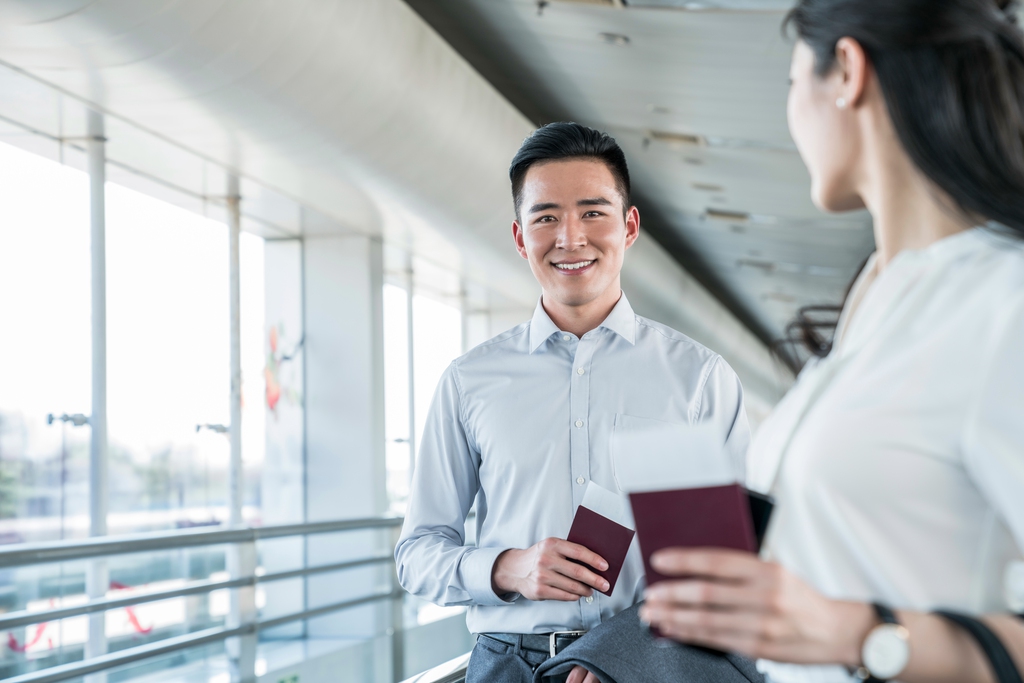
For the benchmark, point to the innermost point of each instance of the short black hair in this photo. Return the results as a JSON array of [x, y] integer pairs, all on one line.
[[568, 140]]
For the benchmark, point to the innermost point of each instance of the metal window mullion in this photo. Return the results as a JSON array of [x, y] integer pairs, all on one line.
[[97, 572]]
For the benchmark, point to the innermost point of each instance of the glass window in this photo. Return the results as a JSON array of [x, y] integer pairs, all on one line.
[[437, 341], [396, 396], [45, 352]]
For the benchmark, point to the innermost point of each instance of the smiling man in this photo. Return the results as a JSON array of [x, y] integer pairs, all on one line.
[[520, 425]]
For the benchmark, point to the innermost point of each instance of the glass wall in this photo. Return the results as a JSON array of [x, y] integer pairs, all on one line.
[[437, 341], [168, 393], [44, 348]]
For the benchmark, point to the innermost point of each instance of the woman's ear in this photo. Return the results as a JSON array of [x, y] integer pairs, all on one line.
[[852, 65]]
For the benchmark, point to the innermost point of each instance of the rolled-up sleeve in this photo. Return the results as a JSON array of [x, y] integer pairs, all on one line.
[[432, 557], [722, 404]]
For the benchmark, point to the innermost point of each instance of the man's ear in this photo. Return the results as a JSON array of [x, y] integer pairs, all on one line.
[[632, 226], [517, 236]]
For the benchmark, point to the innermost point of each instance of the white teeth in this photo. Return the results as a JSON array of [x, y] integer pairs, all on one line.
[[573, 266]]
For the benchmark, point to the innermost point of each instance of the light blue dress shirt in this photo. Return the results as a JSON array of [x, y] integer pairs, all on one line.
[[521, 425]]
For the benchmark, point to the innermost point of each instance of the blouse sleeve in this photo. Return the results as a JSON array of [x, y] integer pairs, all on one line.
[[993, 440]]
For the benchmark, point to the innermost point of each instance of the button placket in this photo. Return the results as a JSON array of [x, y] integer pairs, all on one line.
[[579, 402]]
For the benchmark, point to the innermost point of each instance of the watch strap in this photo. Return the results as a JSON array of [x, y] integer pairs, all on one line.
[[885, 614], [1002, 663]]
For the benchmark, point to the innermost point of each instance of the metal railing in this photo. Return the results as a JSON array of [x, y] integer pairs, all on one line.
[[242, 624], [452, 671]]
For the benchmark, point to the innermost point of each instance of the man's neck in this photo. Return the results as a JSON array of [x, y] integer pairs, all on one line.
[[581, 319]]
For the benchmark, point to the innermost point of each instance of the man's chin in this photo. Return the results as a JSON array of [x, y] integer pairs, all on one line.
[[572, 299]]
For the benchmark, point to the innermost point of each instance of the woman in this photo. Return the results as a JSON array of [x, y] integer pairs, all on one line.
[[897, 462]]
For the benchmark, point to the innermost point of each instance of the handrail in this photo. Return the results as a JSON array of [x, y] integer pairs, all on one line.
[[169, 645], [24, 617], [104, 546], [452, 671], [38, 553]]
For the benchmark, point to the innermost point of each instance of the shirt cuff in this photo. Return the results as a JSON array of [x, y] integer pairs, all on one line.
[[477, 566]]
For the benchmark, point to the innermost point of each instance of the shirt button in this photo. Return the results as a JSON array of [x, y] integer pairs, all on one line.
[[580, 480], [579, 423], [580, 371], [565, 337], [590, 598]]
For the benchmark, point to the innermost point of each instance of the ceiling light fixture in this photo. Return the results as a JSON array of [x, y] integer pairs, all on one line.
[[707, 187], [617, 39], [739, 217], [723, 215], [606, 3], [671, 138], [759, 6], [767, 267]]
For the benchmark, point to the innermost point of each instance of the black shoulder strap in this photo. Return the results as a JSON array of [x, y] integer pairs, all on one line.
[[1002, 664]]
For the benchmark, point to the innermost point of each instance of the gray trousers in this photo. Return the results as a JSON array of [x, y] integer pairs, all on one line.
[[494, 662], [622, 651]]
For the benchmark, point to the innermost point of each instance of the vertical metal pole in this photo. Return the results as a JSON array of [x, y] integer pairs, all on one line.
[[305, 423], [464, 309], [397, 619], [236, 483], [409, 278], [241, 556], [97, 575]]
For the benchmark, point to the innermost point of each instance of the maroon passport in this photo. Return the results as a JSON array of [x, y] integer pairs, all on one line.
[[601, 535], [711, 517]]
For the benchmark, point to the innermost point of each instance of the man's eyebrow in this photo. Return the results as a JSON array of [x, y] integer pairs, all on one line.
[[543, 207], [594, 201]]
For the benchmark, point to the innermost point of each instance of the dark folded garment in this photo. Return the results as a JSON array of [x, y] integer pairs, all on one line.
[[621, 651]]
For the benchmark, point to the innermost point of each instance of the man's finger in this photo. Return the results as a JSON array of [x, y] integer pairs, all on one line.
[[566, 583], [721, 564], [591, 678], [577, 675], [552, 593], [580, 574], [575, 551]]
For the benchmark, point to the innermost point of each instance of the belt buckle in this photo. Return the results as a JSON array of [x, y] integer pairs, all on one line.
[[553, 636]]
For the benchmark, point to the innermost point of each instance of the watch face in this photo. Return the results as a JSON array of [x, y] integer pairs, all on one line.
[[886, 651]]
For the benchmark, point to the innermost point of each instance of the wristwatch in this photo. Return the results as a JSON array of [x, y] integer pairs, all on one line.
[[886, 650]]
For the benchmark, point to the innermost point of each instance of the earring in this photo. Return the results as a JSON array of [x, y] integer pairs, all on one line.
[[841, 103]]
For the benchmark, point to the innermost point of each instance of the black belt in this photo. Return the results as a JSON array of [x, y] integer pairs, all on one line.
[[548, 643]]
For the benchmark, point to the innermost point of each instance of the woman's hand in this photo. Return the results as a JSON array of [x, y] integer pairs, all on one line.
[[733, 601]]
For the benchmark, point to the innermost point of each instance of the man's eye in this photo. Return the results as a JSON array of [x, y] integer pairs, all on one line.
[[592, 214], [545, 219]]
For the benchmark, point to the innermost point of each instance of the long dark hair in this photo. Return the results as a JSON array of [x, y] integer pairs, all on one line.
[[952, 74]]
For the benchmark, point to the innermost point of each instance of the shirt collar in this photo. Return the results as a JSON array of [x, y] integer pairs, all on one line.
[[621, 320]]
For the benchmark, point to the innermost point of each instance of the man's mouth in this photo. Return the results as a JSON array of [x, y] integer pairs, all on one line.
[[579, 265]]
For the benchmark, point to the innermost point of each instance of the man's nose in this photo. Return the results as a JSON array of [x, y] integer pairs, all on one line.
[[572, 234]]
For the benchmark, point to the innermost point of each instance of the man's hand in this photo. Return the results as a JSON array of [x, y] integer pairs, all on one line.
[[581, 675], [544, 572]]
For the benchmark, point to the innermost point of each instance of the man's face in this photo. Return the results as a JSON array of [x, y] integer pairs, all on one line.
[[573, 230]]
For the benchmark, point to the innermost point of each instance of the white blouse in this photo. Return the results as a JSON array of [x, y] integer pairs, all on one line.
[[897, 462]]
